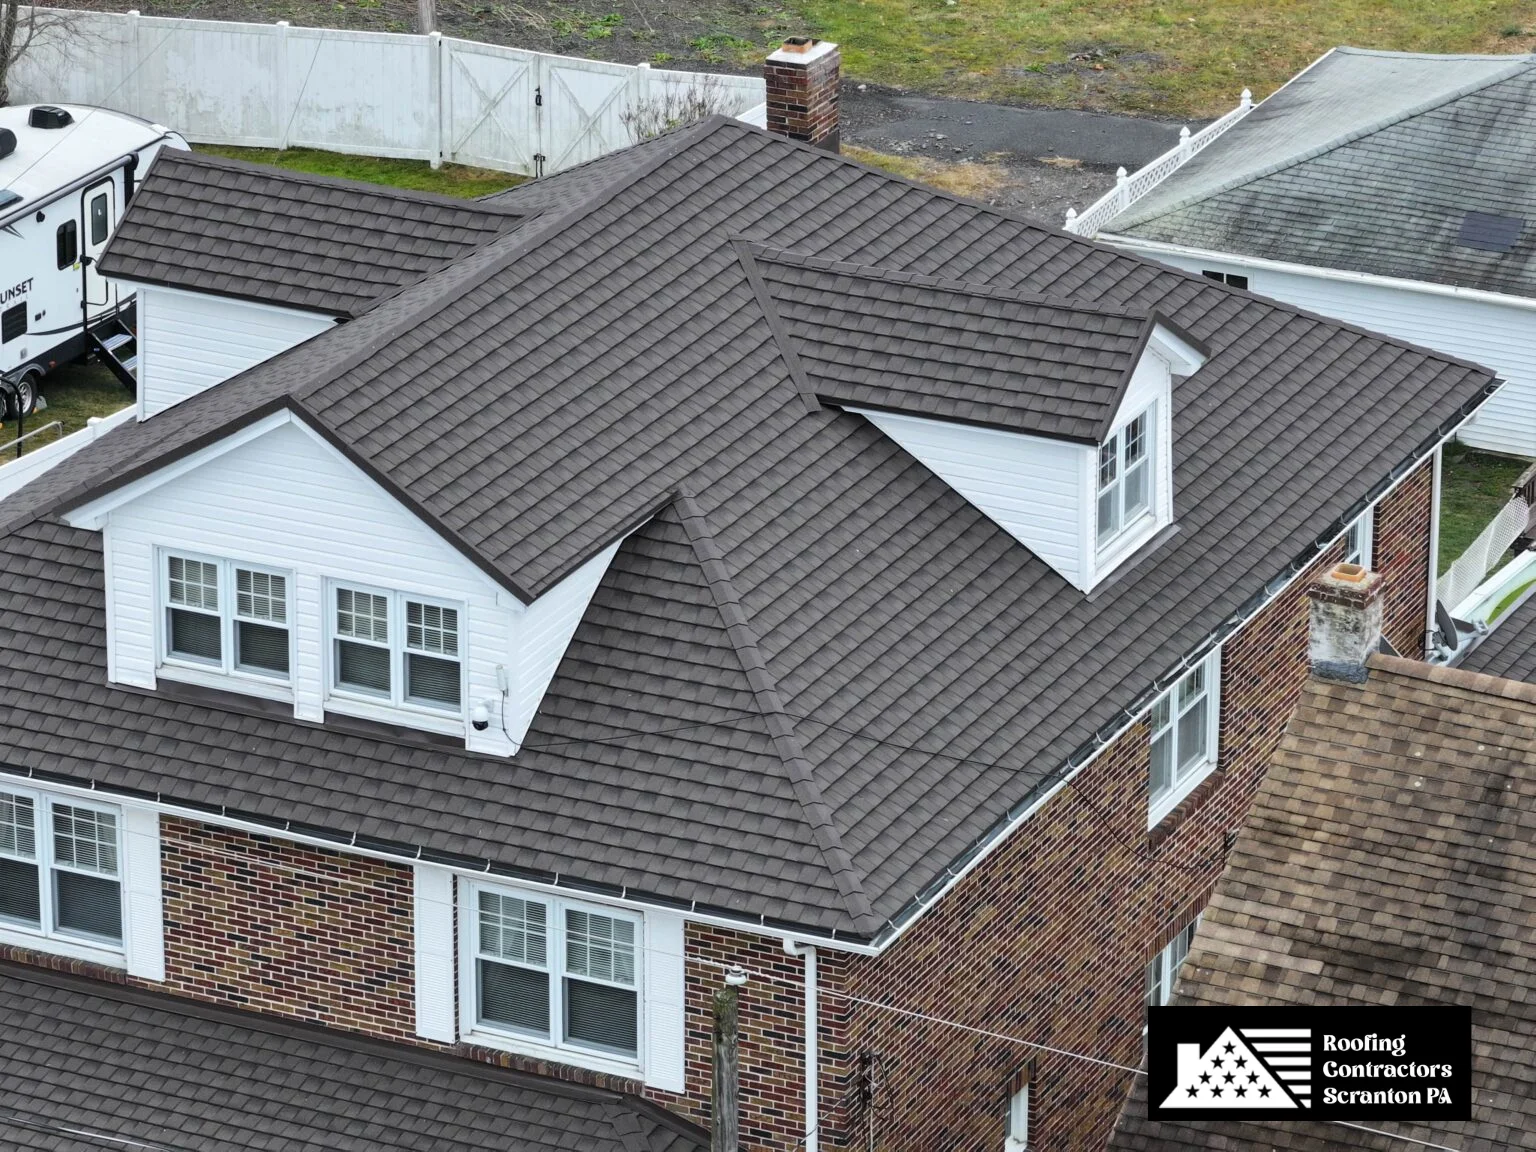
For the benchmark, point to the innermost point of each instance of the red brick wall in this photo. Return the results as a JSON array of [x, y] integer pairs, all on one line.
[[802, 99], [278, 927]]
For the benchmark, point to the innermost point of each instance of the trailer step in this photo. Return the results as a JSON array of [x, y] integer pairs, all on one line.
[[117, 340], [116, 346]]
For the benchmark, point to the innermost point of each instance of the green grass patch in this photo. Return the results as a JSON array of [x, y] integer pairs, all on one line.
[[73, 393], [1177, 57], [1473, 487], [449, 180]]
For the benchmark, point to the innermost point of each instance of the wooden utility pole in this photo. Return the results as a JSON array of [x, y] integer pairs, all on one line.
[[426, 17], [725, 1132]]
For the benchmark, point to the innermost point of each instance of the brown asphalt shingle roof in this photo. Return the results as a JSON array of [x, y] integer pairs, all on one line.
[[208, 224], [90, 1065], [560, 385], [1389, 858]]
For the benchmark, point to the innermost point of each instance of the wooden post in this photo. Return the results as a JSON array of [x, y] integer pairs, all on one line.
[[426, 17], [725, 1132]]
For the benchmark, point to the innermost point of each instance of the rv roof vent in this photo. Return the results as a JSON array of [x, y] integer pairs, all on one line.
[[48, 116], [7, 142]]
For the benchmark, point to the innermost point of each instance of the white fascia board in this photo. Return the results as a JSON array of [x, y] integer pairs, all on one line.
[[1155, 248], [1182, 357], [92, 514]]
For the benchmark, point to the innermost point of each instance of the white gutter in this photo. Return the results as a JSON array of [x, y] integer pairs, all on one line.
[[1434, 556], [900, 929], [812, 1056], [1158, 247]]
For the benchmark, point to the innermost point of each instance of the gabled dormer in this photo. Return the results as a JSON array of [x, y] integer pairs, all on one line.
[[1053, 419]]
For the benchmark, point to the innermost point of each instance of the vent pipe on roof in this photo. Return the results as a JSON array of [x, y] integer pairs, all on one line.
[[802, 79], [1345, 625]]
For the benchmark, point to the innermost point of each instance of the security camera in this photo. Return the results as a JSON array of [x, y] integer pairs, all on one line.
[[480, 716]]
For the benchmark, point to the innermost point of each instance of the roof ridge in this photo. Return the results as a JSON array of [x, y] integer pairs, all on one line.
[[789, 257], [1131, 219], [171, 156], [781, 729], [1482, 683]]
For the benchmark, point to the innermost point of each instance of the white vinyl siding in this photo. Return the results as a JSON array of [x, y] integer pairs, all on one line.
[[1030, 486], [1485, 332], [189, 342], [293, 504]]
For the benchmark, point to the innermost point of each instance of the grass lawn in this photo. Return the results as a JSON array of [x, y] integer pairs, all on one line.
[[1175, 57], [449, 180], [1474, 486], [73, 393]]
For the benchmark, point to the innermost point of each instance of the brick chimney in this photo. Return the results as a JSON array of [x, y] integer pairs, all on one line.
[[802, 91], [1345, 623]]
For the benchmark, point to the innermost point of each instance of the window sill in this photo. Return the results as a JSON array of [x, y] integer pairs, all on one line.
[[1125, 544], [1169, 804], [102, 954], [241, 682], [404, 715], [481, 1037]]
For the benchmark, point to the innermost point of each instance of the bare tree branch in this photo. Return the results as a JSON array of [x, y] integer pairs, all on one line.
[[675, 108], [24, 28]]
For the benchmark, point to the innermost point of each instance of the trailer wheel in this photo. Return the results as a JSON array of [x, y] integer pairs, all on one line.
[[24, 400]]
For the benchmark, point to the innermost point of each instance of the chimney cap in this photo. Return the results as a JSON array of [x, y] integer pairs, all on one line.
[[802, 50]]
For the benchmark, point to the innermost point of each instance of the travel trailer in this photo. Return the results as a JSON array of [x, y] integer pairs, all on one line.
[[66, 174]]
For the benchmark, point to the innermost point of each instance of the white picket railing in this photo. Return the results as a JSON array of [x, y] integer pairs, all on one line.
[[430, 97], [1129, 189]]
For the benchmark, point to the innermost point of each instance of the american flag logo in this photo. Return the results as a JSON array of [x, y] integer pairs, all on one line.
[[1246, 1068]]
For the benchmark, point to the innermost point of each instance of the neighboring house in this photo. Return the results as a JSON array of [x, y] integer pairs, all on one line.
[[1390, 190], [738, 556], [1386, 861]]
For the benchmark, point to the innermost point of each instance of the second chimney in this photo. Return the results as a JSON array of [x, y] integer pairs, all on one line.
[[802, 81], [1345, 623]]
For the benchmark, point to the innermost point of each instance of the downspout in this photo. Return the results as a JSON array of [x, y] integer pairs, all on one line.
[[1434, 552], [812, 1091]]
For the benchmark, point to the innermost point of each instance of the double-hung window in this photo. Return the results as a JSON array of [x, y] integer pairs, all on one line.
[[396, 648], [1164, 968], [1358, 540], [60, 868], [226, 616], [1184, 724], [1125, 477], [559, 974]]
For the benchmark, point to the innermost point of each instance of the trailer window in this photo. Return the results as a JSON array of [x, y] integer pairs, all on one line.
[[13, 322], [99, 219], [68, 242]]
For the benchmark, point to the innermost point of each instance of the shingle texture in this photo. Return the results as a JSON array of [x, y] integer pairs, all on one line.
[[1389, 858], [921, 345], [1510, 649], [1370, 162], [208, 224], [816, 677], [87, 1062]]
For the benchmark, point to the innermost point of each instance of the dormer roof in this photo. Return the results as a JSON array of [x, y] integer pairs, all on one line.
[[958, 350], [562, 387]]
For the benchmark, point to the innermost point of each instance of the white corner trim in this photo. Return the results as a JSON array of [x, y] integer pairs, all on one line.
[[144, 932], [432, 928], [666, 1025]]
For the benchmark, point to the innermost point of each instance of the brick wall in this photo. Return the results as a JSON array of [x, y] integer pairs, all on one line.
[[278, 927], [802, 95]]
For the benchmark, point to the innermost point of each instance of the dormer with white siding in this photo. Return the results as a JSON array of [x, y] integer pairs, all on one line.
[[1055, 420], [270, 565]]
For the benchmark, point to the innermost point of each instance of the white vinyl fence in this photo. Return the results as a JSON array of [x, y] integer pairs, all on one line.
[[373, 93]]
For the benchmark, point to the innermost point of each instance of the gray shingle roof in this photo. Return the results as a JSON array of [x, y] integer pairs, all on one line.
[[561, 385], [872, 338], [83, 1057], [1370, 162], [209, 224], [1387, 859]]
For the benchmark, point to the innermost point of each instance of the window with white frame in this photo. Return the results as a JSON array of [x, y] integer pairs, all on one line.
[[559, 974], [1184, 724], [225, 616], [1358, 541], [1125, 477], [60, 868], [396, 648], [1164, 968], [1017, 1136]]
